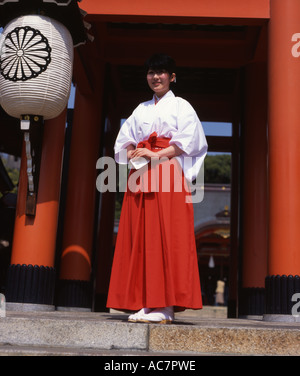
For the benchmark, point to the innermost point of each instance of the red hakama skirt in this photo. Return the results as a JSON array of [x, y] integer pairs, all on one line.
[[155, 261]]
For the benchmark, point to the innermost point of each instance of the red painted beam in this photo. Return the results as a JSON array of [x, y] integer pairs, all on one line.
[[179, 8]]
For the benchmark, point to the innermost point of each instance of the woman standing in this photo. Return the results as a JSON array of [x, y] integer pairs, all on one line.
[[155, 268]]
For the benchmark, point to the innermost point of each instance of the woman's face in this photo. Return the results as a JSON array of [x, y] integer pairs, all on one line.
[[159, 81]]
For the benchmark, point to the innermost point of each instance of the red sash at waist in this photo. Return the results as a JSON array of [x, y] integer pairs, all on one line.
[[154, 142]]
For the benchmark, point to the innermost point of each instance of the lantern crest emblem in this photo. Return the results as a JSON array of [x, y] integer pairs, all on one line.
[[25, 54]]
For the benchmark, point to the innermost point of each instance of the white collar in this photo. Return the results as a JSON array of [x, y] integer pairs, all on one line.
[[169, 94]]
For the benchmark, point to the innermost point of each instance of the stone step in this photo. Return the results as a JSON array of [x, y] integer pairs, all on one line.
[[91, 333]]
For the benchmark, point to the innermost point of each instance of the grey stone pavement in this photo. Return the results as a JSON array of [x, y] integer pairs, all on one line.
[[209, 333]]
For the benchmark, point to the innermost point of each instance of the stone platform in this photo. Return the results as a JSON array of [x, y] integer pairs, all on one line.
[[91, 333]]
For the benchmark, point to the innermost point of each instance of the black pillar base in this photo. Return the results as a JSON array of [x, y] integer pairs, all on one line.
[[279, 293], [74, 294], [252, 301], [30, 284]]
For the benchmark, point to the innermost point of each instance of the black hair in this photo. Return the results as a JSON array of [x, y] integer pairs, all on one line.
[[161, 62]]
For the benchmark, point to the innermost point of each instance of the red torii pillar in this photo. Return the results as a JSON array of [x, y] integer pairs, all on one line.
[[254, 170], [75, 284], [31, 275], [284, 160]]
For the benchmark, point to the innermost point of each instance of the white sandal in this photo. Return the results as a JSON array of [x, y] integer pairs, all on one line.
[[158, 316], [134, 317]]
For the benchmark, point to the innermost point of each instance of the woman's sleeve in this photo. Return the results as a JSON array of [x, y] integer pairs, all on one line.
[[126, 137], [190, 139]]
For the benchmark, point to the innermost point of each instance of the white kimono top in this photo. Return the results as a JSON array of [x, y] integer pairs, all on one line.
[[172, 117]]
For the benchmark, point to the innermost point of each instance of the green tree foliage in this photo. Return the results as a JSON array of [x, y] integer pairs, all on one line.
[[13, 173], [217, 169]]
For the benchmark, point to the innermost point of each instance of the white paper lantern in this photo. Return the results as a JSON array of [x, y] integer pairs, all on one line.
[[36, 65]]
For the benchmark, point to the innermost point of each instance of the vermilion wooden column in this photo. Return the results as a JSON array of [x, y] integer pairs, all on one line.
[[254, 170], [284, 156], [31, 275], [75, 268]]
